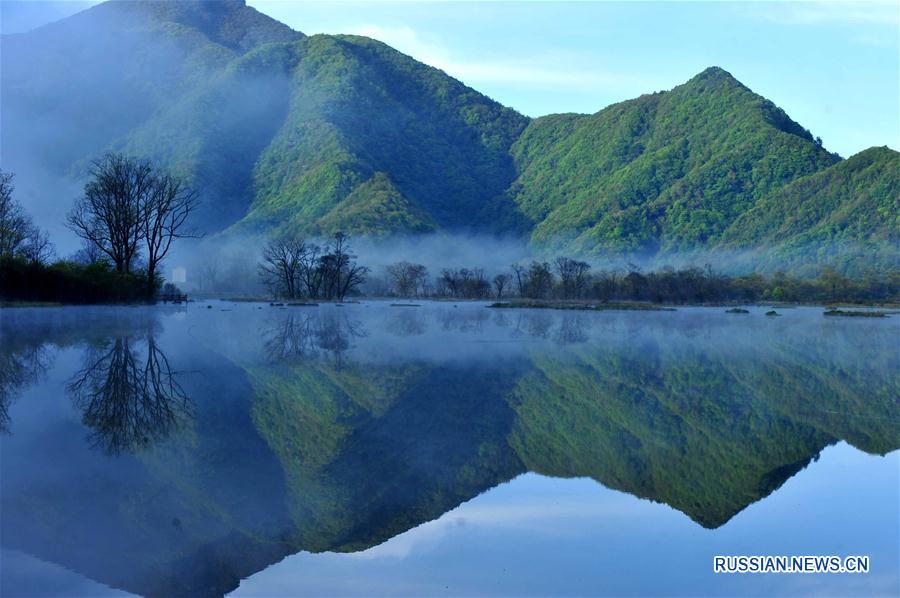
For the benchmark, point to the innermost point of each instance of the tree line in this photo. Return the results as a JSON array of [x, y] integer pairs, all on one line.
[[294, 268], [130, 214], [566, 278], [132, 211]]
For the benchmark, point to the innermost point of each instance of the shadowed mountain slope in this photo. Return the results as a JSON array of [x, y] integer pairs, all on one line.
[[284, 133]]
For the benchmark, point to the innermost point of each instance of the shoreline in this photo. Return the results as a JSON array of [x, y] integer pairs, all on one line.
[[838, 308]]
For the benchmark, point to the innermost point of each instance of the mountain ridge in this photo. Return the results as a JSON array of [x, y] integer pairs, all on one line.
[[285, 133]]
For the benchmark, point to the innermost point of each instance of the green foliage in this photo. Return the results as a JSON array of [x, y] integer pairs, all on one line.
[[850, 210], [359, 108], [69, 282], [289, 134], [701, 430], [666, 171], [376, 207], [110, 70], [317, 451]]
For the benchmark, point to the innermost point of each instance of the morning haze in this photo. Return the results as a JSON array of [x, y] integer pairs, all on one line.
[[449, 298]]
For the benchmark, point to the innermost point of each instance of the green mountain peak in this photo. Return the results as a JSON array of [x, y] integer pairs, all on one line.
[[287, 133]]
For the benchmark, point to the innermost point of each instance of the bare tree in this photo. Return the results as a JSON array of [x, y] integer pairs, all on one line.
[[208, 272], [280, 268], [354, 277], [19, 237], [23, 361], [604, 285], [501, 282], [340, 272], [14, 222], [408, 279], [520, 271], [538, 281], [89, 254], [165, 210], [111, 213], [573, 275], [310, 272], [129, 405], [466, 283], [38, 248]]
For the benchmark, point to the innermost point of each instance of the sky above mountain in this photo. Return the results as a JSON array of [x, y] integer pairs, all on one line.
[[834, 66]]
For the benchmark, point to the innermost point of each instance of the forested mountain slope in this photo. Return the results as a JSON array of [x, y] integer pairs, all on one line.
[[664, 171], [284, 133], [851, 208]]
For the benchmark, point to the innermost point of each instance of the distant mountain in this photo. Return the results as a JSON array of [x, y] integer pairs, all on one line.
[[851, 208], [288, 133], [664, 171], [291, 443], [72, 87]]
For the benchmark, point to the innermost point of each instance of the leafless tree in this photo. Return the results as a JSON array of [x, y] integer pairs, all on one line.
[[165, 211], [23, 361], [14, 222], [89, 254], [281, 264], [310, 272], [519, 270], [408, 279], [19, 237], [501, 282], [573, 276], [465, 283], [604, 285], [129, 402], [340, 272], [38, 247], [299, 337], [111, 213], [208, 272], [538, 280]]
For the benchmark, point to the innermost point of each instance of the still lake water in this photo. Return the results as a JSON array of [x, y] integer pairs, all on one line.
[[443, 450]]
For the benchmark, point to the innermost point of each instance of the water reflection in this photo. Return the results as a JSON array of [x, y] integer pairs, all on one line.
[[128, 394], [299, 337], [20, 366], [326, 429]]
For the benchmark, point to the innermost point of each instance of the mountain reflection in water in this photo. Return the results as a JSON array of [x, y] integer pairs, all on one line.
[[177, 452]]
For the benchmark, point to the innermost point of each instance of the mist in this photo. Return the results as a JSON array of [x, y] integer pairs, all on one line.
[[184, 106], [19, 16], [105, 80], [228, 264]]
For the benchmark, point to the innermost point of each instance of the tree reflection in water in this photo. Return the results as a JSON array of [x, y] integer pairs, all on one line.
[[307, 336], [129, 395], [19, 366], [407, 322]]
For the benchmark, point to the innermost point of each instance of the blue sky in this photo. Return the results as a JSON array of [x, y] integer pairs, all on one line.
[[833, 66]]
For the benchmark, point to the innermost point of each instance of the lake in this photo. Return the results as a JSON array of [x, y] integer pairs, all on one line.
[[444, 449]]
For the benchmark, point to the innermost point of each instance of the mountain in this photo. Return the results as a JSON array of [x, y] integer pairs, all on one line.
[[280, 131], [287, 133], [850, 209], [375, 142], [293, 440], [665, 171], [72, 87]]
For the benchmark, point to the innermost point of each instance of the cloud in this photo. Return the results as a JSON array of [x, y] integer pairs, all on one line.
[[548, 71]]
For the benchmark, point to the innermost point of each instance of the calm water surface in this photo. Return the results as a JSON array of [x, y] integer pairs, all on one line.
[[443, 450]]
